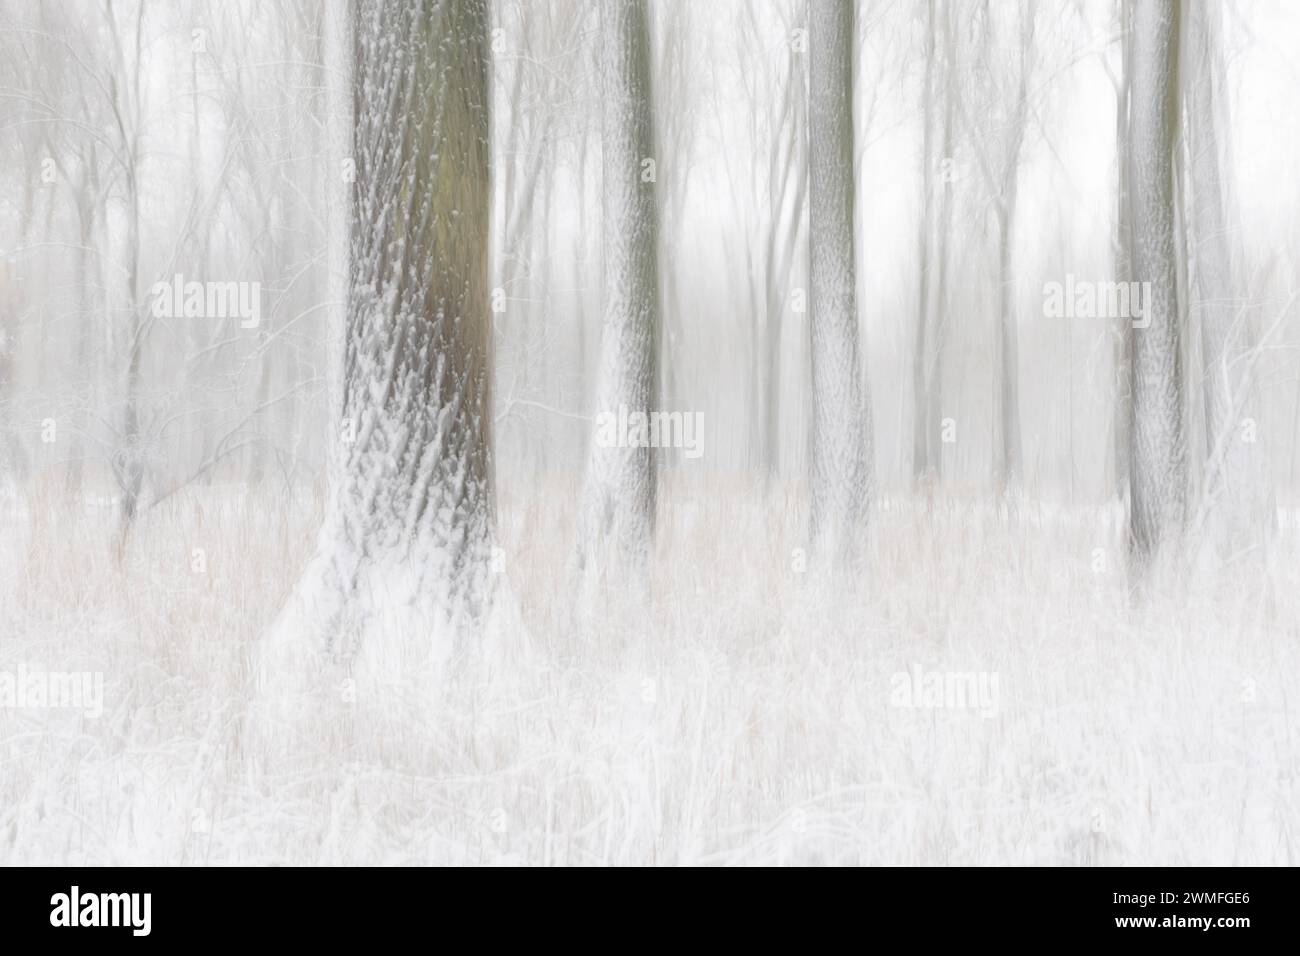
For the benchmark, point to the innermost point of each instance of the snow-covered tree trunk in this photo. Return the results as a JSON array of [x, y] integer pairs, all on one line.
[[936, 225], [941, 294], [1236, 506], [129, 462], [921, 365], [86, 221], [618, 504], [404, 548], [841, 433], [1009, 458], [788, 191], [1008, 463], [339, 171], [1158, 468], [1122, 246]]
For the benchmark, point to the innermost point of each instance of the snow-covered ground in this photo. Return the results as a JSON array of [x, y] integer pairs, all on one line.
[[987, 693]]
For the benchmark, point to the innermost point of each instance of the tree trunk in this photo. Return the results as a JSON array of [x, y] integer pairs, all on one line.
[[1009, 461], [85, 307], [782, 245], [618, 505], [405, 544], [1235, 506], [1010, 458], [841, 435], [921, 424], [940, 296], [1122, 251], [1159, 466], [131, 453]]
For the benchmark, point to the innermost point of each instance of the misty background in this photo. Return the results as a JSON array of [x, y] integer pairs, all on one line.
[[145, 140]]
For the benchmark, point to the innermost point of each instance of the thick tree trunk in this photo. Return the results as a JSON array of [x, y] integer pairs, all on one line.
[[1158, 458], [405, 544], [618, 506], [841, 434]]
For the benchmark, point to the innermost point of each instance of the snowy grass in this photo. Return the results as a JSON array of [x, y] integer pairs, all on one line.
[[743, 716]]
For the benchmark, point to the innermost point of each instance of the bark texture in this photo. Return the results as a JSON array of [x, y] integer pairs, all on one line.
[[841, 436], [618, 507], [1158, 476], [406, 535]]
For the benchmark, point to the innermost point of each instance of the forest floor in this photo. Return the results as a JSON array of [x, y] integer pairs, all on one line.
[[987, 693]]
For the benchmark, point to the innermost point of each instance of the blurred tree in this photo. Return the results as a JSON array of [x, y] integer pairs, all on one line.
[[841, 425]]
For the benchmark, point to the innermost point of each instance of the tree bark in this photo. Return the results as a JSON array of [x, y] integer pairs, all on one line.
[[618, 507], [1158, 456], [921, 424], [1236, 506], [406, 538], [841, 435]]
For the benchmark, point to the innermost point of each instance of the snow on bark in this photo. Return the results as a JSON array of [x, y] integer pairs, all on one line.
[[921, 424], [1158, 466], [841, 434], [1009, 456], [933, 298], [617, 511], [403, 552], [339, 170], [1122, 246], [1008, 462]]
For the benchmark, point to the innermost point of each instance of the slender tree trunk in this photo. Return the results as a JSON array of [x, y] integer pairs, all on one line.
[[782, 244], [85, 307], [130, 456], [921, 424], [1122, 413], [339, 79], [1236, 505], [580, 242], [1010, 463], [841, 434], [618, 506], [128, 459], [1159, 466], [940, 297]]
